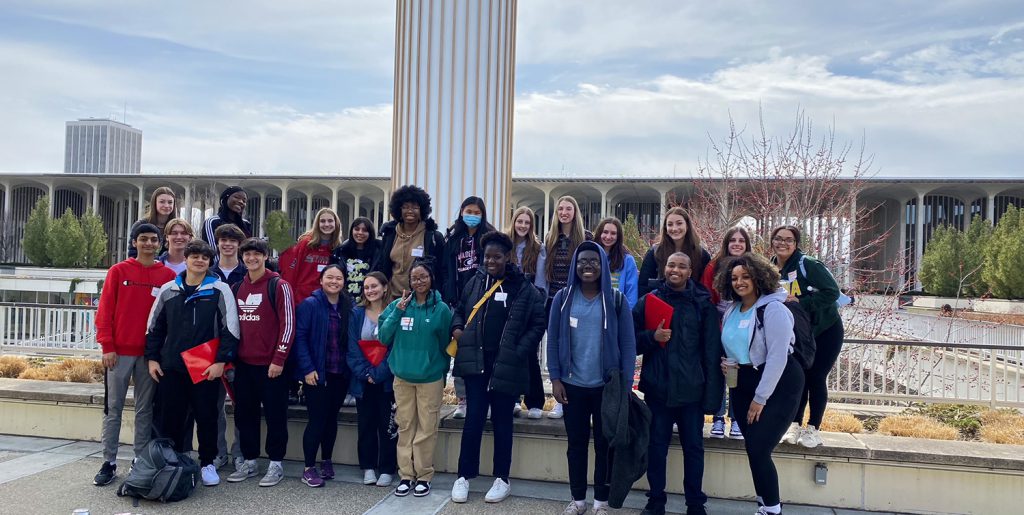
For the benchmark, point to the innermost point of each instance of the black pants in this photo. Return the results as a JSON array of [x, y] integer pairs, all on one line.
[[323, 403], [828, 344], [478, 400], [177, 396], [378, 433], [690, 419], [535, 394], [585, 406], [252, 389], [761, 437]]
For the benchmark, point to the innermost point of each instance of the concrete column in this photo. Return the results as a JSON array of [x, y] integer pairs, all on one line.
[[918, 239], [309, 209], [8, 196], [283, 186], [263, 214], [187, 207], [95, 198], [990, 209], [663, 207], [53, 201], [547, 212], [453, 103], [851, 276], [604, 202], [142, 200], [334, 198], [354, 210]]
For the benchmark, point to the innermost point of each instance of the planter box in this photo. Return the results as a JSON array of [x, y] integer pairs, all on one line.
[[1000, 306]]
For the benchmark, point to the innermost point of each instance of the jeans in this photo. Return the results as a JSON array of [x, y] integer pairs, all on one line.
[[478, 400], [323, 403], [128, 368], [378, 432], [583, 407], [254, 389], [828, 344], [722, 410], [690, 419]]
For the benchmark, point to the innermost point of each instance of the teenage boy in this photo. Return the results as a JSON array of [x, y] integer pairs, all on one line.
[[227, 265], [590, 334], [131, 288], [267, 322], [680, 378], [191, 310]]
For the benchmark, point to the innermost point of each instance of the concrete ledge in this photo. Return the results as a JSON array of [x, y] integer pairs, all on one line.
[[872, 472]]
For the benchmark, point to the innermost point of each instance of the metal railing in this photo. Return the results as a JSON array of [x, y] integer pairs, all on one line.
[[47, 326]]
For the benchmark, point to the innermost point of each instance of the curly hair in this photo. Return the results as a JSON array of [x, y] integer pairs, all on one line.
[[499, 239], [765, 276], [409, 193]]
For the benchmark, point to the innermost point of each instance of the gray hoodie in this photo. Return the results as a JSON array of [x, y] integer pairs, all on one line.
[[770, 347]]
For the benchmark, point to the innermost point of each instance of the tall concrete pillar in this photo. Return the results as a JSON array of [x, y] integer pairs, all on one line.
[[918, 239], [990, 208], [453, 105]]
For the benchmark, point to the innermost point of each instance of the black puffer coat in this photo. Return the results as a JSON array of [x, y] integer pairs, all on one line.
[[688, 368], [519, 339]]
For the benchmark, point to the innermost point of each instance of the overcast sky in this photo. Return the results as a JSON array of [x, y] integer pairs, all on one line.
[[935, 89]]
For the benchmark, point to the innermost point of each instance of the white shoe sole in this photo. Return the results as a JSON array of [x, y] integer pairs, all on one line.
[[266, 484]]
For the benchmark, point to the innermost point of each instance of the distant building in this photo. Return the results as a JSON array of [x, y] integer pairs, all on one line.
[[100, 146]]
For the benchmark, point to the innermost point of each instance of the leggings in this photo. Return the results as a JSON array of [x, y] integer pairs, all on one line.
[[761, 437], [323, 403], [828, 344]]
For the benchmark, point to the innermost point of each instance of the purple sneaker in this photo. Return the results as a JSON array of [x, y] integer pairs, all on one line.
[[311, 478], [327, 469]]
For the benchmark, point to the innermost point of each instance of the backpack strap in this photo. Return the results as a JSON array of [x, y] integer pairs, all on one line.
[[803, 269], [759, 323]]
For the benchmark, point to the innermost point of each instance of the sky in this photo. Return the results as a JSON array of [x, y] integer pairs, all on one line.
[[603, 87]]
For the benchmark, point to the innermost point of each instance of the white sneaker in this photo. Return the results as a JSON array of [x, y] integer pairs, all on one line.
[[575, 508], [274, 475], [239, 461], [460, 490], [535, 413], [499, 491], [810, 438], [349, 401], [556, 412], [210, 477], [385, 480], [516, 410], [220, 461], [792, 434], [245, 470], [369, 477], [460, 410]]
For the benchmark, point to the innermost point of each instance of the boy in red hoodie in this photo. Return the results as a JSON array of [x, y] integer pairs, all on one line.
[[266, 315], [128, 294]]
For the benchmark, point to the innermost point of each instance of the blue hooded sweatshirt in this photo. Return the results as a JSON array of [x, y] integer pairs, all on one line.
[[618, 351]]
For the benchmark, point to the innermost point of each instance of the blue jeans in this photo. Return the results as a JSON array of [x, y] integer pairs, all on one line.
[[478, 399], [690, 419], [722, 411]]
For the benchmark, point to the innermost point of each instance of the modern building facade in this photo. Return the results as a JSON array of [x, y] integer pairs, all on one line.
[[101, 146]]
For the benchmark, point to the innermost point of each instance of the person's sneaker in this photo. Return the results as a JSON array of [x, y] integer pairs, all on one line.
[[422, 489], [792, 434], [385, 480], [369, 477], [763, 510], [499, 491], [574, 508], [239, 461], [106, 474], [696, 509], [349, 401], [653, 508], [247, 469], [219, 462], [601, 510], [293, 399], [326, 469], [274, 475], [404, 487], [734, 431], [535, 413], [556, 412], [210, 476], [516, 410], [810, 438], [311, 478], [460, 410], [718, 428], [460, 490]]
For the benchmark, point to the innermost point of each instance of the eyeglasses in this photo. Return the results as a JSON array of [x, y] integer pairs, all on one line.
[[787, 241], [588, 262], [419, 279]]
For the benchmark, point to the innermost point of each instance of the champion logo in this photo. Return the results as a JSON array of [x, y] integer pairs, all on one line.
[[251, 303]]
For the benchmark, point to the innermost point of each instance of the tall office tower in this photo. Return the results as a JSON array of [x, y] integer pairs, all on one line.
[[96, 145]]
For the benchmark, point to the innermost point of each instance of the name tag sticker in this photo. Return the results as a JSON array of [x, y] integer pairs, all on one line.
[[417, 252], [573, 322], [320, 268], [154, 292], [792, 275], [407, 323], [501, 296], [744, 323]]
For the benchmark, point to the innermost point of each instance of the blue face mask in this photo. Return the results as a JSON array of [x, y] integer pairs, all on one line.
[[471, 220]]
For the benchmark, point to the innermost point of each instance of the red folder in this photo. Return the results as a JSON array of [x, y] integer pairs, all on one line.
[[656, 311], [374, 351], [199, 358]]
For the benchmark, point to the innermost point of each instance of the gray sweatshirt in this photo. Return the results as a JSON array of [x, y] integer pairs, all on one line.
[[770, 347]]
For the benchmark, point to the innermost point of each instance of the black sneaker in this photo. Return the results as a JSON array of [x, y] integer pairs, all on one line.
[[422, 489], [696, 509], [653, 509], [404, 487], [106, 474]]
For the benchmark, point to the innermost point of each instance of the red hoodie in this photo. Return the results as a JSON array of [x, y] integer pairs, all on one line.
[[127, 297], [301, 264], [267, 333]]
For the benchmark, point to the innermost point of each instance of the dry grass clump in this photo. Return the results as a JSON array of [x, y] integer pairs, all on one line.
[[12, 366], [841, 422], [916, 426], [71, 370], [1002, 426]]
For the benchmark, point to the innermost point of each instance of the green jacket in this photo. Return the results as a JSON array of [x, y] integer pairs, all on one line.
[[817, 291], [417, 350]]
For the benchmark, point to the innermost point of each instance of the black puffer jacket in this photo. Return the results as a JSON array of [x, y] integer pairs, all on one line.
[[688, 368], [520, 338], [433, 247]]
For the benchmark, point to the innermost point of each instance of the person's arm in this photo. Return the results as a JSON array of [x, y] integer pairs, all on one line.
[[301, 349], [554, 332], [826, 291], [286, 323], [388, 322], [540, 279], [707, 279], [627, 346], [156, 328], [629, 280], [229, 329], [711, 338], [778, 334], [208, 229], [644, 338], [459, 313], [356, 359], [288, 263], [648, 271], [105, 313], [535, 325], [443, 328]]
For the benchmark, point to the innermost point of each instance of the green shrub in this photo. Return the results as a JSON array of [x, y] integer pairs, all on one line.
[[66, 244], [37, 233], [1004, 257], [279, 230], [941, 262], [95, 239]]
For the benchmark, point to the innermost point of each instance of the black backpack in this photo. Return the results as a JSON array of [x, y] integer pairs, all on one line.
[[160, 474], [804, 347]]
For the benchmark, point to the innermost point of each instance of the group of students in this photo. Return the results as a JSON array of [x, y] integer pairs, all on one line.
[[381, 318]]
